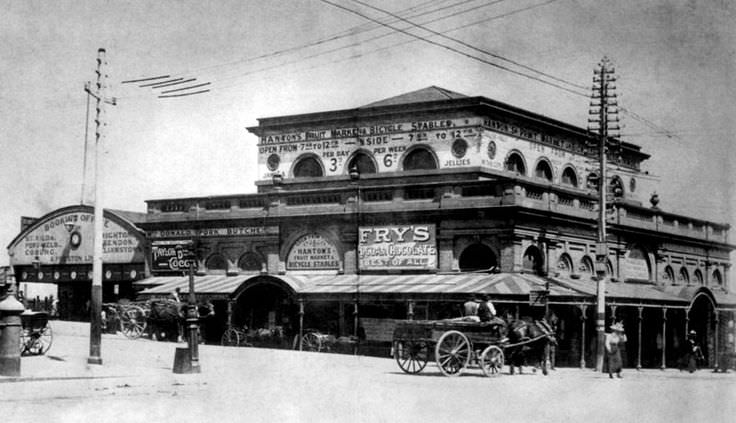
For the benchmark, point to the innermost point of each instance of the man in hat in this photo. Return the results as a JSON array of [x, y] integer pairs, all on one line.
[[486, 311], [613, 343]]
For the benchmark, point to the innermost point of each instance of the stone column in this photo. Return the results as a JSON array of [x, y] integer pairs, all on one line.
[[638, 352], [664, 338]]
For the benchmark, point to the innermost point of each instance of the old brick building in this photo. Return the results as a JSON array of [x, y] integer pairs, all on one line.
[[404, 207]]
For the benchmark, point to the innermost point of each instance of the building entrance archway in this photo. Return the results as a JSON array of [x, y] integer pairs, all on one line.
[[264, 303], [702, 320]]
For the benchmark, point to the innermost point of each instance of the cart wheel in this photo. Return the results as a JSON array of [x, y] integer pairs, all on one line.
[[25, 342], [311, 342], [133, 322], [231, 338], [452, 353], [411, 356], [45, 337], [491, 361]]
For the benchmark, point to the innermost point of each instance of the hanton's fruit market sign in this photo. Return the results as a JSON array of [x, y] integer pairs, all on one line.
[[313, 252], [397, 247]]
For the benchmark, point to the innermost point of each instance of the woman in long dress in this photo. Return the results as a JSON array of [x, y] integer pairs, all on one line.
[[613, 349]]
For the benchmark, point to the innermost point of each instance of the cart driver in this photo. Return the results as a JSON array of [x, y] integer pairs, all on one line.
[[486, 310]]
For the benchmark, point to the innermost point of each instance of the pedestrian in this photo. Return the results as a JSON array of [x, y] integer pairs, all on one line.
[[693, 354], [613, 345], [176, 295]]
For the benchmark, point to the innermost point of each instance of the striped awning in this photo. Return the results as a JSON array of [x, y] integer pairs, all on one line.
[[503, 284], [469, 283], [210, 284]]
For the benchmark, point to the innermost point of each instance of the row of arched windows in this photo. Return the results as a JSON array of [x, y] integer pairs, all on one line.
[[418, 158], [683, 277], [423, 158]]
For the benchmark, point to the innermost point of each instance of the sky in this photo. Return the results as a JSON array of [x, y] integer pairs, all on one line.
[[674, 61]]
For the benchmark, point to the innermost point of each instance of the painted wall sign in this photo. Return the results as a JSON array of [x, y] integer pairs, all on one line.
[[411, 247], [635, 265], [172, 256], [68, 239], [205, 232], [313, 252], [385, 142]]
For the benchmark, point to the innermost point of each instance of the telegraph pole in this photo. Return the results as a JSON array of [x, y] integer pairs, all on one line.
[[100, 95], [604, 107]]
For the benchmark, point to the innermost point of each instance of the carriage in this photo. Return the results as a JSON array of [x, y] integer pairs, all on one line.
[[35, 335], [456, 344]]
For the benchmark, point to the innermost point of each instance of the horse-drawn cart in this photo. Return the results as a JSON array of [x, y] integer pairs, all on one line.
[[35, 335], [455, 344]]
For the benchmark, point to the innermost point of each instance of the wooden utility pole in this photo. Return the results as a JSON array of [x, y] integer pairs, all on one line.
[[100, 95], [604, 107]]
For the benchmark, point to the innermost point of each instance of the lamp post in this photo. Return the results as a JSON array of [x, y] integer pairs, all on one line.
[[354, 173]]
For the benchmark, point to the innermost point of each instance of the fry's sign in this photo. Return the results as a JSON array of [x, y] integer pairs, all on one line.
[[397, 247]]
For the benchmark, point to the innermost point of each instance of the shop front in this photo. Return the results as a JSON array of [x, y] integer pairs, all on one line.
[[57, 249]]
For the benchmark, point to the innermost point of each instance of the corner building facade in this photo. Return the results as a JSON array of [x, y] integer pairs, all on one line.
[[402, 208]]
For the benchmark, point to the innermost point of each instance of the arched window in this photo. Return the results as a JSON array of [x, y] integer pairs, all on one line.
[[592, 181], [586, 266], [477, 257], [609, 269], [717, 280], [515, 163], [543, 170], [418, 159], [308, 167], [216, 262], [668, 275], [698, 276], [250, 262], [569, 177], [532, 260], [363, 162], [564, 264], [616, 187], [683, 277]]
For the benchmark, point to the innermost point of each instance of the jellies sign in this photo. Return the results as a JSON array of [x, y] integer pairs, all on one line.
[[411, 247]]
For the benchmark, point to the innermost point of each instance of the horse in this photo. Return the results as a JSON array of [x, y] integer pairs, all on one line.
[[528, 343], [165, 320]]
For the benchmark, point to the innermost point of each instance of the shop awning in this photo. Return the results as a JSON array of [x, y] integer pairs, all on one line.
[[502, 284], [210, 284], [621, 290], [469, 283], [688, 293]]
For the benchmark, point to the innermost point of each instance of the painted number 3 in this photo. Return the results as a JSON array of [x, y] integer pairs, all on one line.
[[333, 164]]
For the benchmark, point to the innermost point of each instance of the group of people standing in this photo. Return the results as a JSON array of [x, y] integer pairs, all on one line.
[[479, 308]]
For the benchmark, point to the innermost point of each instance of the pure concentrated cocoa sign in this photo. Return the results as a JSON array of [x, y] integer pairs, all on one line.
[[411, 247], [172, 256]]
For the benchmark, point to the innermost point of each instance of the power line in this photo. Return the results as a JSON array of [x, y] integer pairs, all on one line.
[[446, 47], [480, 50]]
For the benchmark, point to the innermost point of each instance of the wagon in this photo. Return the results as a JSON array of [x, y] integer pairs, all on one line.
[[35, 335], [454, 343], [129, 318]]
